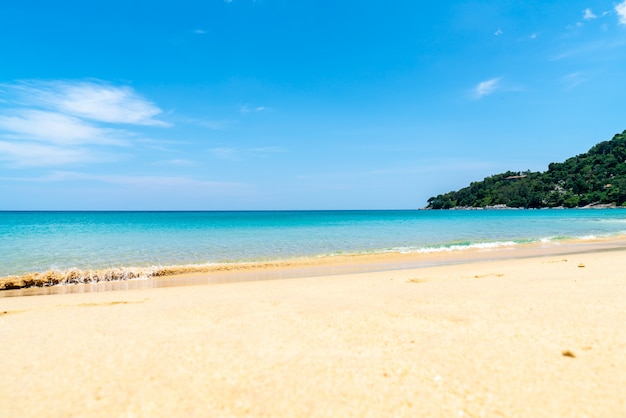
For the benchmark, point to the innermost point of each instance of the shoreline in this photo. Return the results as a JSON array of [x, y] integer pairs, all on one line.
[[77, 281], [540, 335]]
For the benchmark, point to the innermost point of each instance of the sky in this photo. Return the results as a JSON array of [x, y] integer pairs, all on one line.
[[296, 104]]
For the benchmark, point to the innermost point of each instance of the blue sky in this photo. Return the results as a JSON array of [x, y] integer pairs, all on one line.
[[296, 104]]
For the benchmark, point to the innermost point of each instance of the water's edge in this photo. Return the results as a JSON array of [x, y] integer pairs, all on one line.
[[296, 268]]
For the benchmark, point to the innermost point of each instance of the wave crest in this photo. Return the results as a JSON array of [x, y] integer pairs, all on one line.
[[77, 276]]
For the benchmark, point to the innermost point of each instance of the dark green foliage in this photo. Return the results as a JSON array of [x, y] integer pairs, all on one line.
[[596, 177]]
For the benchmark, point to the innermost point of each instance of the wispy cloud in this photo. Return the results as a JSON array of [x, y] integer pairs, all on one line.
[[160, 181], [21, 155], [591, 48], [247, 109], [588, 14], [56, 128], [199, 32], [59, 122], [498, 32], [99, 102], [142, 182], [224, 153], [573, 79], [487, 87], [621, 12]]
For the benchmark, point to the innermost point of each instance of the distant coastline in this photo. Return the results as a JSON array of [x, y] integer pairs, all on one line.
[[505, 207], [596, 178]]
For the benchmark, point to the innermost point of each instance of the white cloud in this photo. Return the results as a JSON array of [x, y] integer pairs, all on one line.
[[588, 14], [57, 129], [23, 154], [621, 12], [487, 87], [498, 32], [60, 122], [88, 100], [199, 32]]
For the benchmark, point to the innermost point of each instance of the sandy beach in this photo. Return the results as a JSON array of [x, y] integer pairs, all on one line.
[[541, 336]]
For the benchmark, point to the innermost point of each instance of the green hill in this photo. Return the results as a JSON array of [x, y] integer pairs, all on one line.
[[595, 177]]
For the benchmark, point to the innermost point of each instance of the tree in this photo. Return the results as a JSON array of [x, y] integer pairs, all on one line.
[[598, 175]]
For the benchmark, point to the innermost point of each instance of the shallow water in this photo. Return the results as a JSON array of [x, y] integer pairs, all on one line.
[[40, 241]]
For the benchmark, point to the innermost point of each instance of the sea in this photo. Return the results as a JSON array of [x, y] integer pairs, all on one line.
[[43, 241]]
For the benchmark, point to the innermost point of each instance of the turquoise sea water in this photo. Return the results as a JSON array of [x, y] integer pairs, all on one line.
[[40, 241]]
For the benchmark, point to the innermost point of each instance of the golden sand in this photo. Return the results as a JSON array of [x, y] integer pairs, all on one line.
[[525, 337]]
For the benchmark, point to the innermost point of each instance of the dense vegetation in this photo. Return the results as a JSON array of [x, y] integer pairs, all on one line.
[[596, 177]]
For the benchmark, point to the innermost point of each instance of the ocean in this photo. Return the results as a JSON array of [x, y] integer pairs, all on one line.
[[42, 241]]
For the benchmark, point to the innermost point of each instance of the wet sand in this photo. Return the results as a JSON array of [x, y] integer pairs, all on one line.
[[538, 336], [127, 278]]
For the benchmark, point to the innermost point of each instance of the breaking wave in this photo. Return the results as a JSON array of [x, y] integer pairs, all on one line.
[[77, 276]]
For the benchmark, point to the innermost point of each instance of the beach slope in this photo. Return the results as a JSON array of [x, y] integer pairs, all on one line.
[[540, 337]]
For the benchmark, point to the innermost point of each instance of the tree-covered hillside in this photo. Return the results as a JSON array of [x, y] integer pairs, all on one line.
[[596, 177]]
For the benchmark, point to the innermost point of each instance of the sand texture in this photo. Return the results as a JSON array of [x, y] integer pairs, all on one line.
[[535, 337]]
